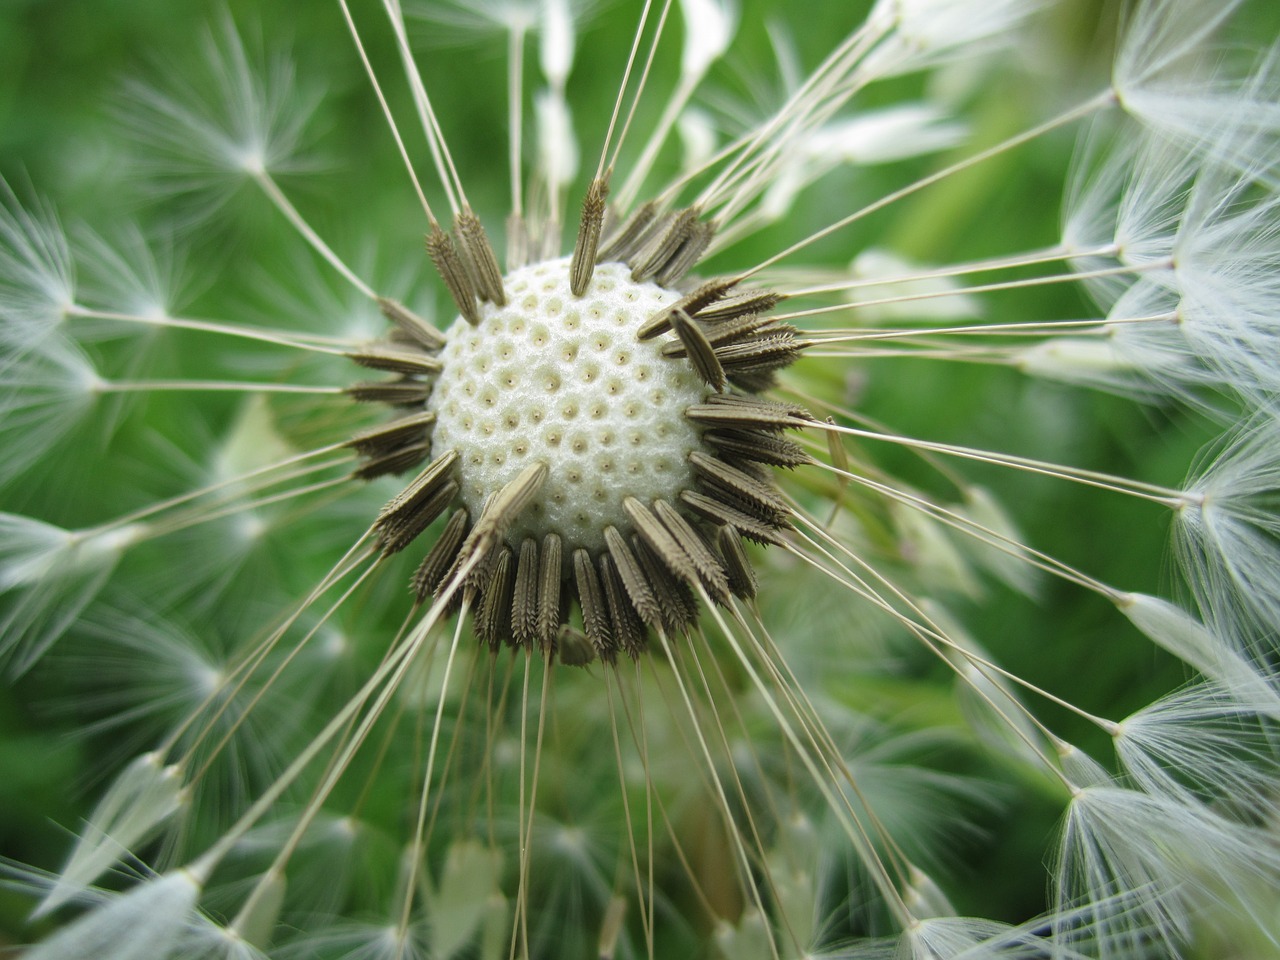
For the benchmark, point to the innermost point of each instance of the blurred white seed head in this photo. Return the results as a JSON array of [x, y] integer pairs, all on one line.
[[37, 273], [871, 137], [1203, 745], [709, 27], [142, 798], [926, 33], [556, 42], [48, 576], [130, 273], [229, 114], [557, 144], [150, 920]]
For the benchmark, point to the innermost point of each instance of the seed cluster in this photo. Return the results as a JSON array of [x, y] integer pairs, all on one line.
[[591, 434], [561, 379]]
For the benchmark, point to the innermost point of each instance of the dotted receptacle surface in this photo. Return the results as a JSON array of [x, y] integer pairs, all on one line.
[[563, 379]]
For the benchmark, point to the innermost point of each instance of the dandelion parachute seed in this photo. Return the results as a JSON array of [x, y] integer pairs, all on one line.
[[600, 612]]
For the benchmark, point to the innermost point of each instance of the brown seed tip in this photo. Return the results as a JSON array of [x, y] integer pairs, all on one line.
[[691, 303], [444, 255], [701, 353], [418, 330], [478, 255], [663, 245], [585, 247], [505, 506]]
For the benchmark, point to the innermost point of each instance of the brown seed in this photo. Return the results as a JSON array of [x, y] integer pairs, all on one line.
[[524, 602], [679, 609], [690, 303], [400, 531], [387, 436], [660, 540], [574, 649], [585, 246], [729, 410], [404, 361], [632, 577], [493, 615], [726, 482], [421, 486], [430, 573], [448, 263], [730, 308], [393, 461], [412, 510], [418, 330], [717, 511], [395, 393], [790, 408], [695, 548], [758, 447], [701, 354], [628, 630], [549, 617], [477, 253], [761, 353], [688, 254], [626, 240], [504, 507], [721, 333], [595, 611], [742, 576], [663, 245]]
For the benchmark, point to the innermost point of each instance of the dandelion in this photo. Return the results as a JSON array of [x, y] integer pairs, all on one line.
[[554, 583]]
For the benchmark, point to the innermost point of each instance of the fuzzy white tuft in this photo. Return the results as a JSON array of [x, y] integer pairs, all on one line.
[[556, 42], [557, 145], [1228, 537], [1179, 862], [1202, 245], [237, 116], [128, 273], [926, 33], [147, 923], [37, 273], [1168, 75], [1202, 745], [48, 576], [872, 137], [44, 391], [142, 798]]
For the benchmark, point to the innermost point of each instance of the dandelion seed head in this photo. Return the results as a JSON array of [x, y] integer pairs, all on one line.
[[564, 380], [209, 680]]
